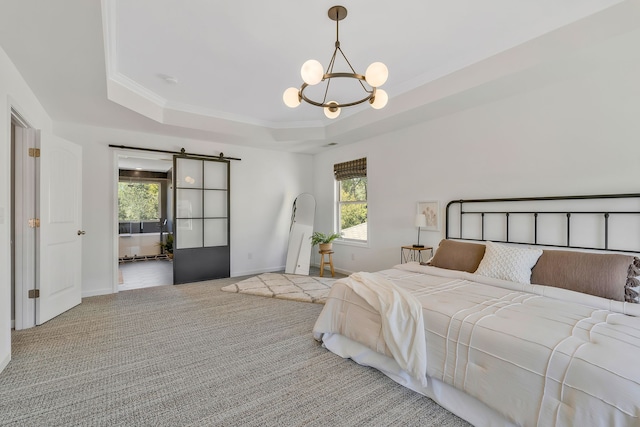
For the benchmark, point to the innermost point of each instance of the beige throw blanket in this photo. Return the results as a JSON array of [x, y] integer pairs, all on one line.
[[402, 325]]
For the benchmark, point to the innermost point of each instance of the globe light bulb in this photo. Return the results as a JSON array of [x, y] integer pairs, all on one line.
[[332, 111], [380, 99], [312, 72], [291, 97], [376, 74]]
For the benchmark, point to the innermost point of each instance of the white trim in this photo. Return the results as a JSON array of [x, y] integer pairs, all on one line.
[[109, 35], [97, 292], [337, 270], [25, 238], [353, 242], [5, 362], [131, 94], [17, 117], [336, 212], [259, 271], [115, 256]]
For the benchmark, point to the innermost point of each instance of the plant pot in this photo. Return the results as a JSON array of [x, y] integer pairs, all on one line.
[[326, 246]]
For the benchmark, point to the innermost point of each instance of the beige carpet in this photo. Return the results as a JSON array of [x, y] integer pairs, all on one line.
[[190, 355], [285, 286]]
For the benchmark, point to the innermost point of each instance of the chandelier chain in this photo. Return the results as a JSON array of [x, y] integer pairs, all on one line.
[[329, 70], [352, 70]]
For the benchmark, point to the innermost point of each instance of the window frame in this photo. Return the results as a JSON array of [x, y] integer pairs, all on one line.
[[145, 182], [338, 219], [140, 226]]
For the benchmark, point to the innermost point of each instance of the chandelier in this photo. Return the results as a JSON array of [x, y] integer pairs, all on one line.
[[313, 73]]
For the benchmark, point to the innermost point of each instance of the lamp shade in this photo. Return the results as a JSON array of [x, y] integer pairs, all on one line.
[[376, 74], [291, 97], [332, 112], [421, 220], [380, 99], [312, 72]]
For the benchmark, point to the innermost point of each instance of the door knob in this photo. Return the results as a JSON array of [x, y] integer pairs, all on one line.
[[81, 232]]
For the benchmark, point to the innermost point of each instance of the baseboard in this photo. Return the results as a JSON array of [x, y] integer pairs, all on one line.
[[5, 362], [337, 270], [259, 271], [97, 292]]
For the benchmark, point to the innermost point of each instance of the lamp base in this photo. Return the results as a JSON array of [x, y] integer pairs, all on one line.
[[418, 246]]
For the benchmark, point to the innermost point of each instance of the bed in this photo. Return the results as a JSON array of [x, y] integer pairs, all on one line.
[[501, 334]]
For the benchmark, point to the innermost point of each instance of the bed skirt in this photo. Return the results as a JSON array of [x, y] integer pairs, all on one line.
[[456, 401]]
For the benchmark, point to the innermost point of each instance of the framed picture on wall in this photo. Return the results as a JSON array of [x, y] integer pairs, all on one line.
[[431, 210]]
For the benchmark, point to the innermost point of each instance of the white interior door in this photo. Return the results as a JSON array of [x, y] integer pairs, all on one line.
[[60, 240]]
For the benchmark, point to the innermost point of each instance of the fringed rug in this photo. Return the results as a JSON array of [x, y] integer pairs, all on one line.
[[285, 286]]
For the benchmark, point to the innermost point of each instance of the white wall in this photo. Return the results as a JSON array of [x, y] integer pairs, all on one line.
[[263, 186], [576, 136], [14, 92]]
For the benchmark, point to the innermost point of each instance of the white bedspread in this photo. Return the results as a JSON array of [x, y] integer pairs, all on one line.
[[401, 322], [536, 359]]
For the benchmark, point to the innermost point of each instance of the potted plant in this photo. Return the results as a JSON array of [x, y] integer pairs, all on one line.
[[323, 240], [167, 246]]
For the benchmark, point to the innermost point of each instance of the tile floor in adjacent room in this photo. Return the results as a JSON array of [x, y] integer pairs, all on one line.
[[145, 274]]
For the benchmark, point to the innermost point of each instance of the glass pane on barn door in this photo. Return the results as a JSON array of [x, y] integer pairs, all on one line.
[[215, 232], [188, 233], [215, 204], [189, 173], [215, 175], [188, 203], [201, 194]]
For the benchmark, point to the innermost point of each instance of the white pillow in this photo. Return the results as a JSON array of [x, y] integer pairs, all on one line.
[[508, 263]]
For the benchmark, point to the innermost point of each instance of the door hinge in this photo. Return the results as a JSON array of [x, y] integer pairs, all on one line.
[[34, 293], [34, 152], [34, 223]]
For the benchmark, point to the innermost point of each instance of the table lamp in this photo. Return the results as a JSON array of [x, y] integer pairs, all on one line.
[[421, 221]]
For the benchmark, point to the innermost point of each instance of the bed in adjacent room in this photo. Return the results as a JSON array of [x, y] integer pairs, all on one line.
[[501, 334]]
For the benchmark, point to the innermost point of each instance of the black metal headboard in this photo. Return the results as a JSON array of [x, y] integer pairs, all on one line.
[[579, 222]]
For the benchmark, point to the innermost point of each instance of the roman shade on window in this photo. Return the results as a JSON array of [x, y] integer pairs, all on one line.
[[352, 169]]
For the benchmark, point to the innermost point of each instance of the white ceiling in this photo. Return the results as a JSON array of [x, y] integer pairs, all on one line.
[[146, 162], [106, 63]]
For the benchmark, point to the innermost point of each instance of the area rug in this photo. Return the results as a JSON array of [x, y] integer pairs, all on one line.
[[285, 286]]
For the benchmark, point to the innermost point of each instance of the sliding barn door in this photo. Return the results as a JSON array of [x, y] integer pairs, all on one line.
[[201, 225]]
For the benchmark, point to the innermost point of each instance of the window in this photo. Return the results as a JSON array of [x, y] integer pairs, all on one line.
[[138, 207], [351, 200]]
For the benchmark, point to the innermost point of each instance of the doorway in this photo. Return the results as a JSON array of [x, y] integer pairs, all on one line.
[[202, 229], [46, 224], [23, 239], [144, 221], [13, 223]]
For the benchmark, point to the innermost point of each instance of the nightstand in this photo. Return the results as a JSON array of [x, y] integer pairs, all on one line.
[[410, 253]]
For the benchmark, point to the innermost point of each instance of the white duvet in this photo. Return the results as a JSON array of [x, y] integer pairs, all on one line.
[[537, 355], [401, 322]]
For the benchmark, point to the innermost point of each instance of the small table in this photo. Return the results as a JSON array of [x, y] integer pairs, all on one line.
[[411, 253], [322, 254]]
